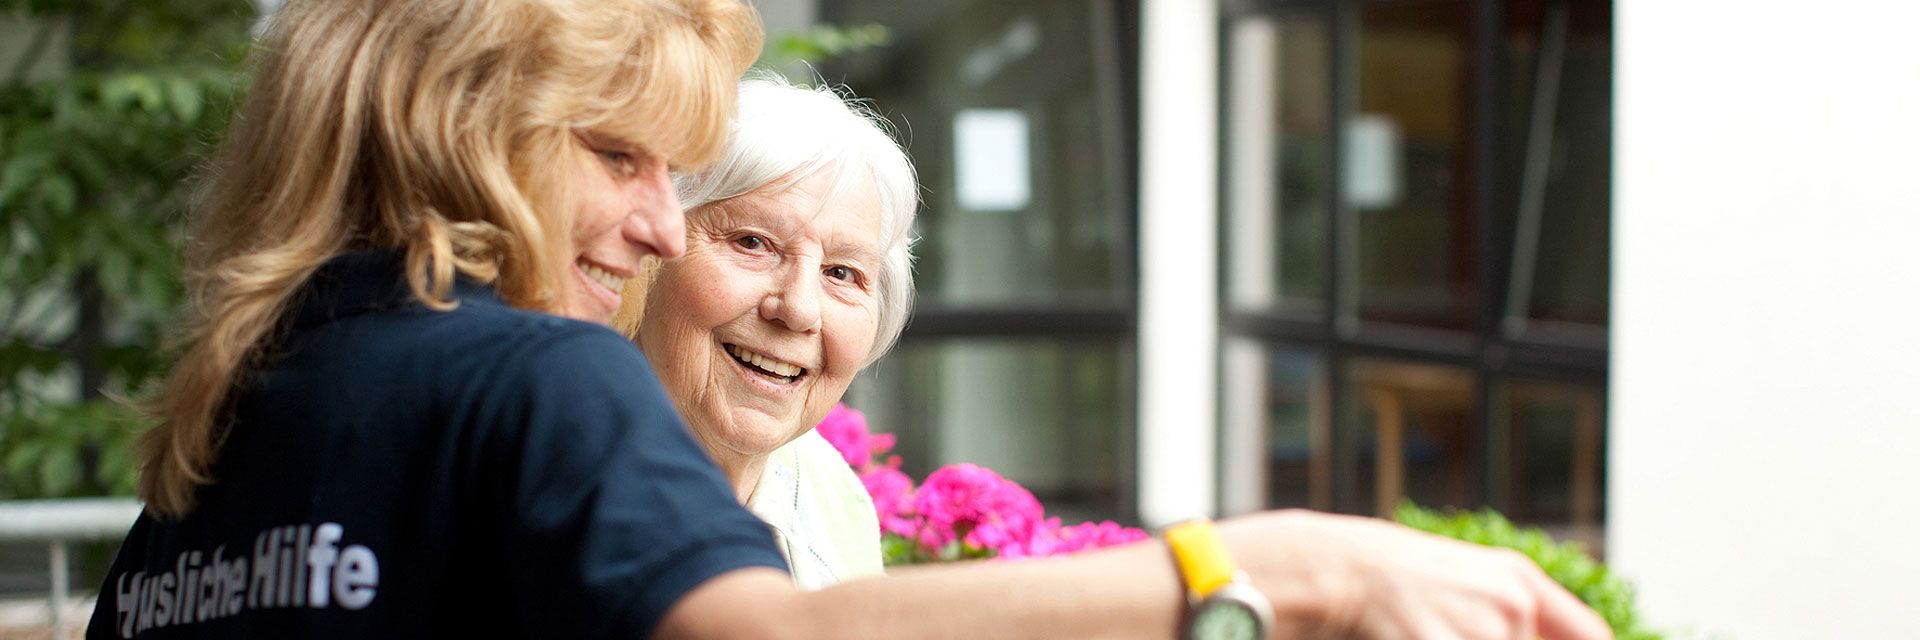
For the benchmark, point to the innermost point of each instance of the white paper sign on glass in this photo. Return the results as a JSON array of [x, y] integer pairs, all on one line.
[[991, 164], [1374, 168]]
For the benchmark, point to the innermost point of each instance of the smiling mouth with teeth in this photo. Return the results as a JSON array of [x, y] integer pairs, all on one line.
[[601, 276], [769, 367]]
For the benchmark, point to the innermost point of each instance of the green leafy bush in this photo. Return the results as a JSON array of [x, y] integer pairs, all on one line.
[[1566, 563], [104, 113]]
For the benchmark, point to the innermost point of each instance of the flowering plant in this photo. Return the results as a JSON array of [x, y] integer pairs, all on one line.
[[961, 511]]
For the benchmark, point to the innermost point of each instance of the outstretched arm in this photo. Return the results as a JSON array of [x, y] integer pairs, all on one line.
[[1324, 574]]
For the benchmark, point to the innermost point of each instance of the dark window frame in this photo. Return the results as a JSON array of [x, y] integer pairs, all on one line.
[[1337, 335]]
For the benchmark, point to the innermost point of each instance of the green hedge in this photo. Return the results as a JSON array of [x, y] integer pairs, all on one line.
[[1566, 563]]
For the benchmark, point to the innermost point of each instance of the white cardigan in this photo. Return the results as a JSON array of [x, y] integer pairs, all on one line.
[[822, 518]]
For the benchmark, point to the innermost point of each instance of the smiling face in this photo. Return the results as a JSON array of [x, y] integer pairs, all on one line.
[[757, 331], [624, 210]]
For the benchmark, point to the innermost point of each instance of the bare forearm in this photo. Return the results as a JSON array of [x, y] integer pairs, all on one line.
[[1322, 575], [1129, 592]]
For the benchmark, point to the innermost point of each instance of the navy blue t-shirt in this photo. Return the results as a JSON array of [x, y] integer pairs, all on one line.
[[396, 471]]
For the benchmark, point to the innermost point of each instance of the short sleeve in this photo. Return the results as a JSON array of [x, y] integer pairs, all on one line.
[[614, 511]]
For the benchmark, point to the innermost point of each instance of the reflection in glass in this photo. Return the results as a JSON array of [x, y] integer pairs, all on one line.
[[1424, 223], [1409, 433], [1563, 74], [1277, 140], [1050, 232], [1045, 413], [1274, 451], [1557, 460], [1414, 262]]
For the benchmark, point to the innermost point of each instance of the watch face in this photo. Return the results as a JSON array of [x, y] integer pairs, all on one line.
[[1224, 620]]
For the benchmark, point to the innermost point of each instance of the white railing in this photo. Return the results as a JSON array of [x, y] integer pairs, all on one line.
[[57, 522]]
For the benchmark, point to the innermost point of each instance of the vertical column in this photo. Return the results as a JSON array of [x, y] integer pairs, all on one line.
[[1253, 159], [57, 594], [1179, 256], [1243, 426], [1252, 212]]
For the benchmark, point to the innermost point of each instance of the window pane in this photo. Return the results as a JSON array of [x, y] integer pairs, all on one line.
[[1407, 152], [1566, 280], [1016, 131], [1048, 414], [1557, 459], [1409, 433], [1277, 143], [1274, 448]]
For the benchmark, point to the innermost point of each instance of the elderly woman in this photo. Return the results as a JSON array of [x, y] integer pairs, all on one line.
[[796, 276]]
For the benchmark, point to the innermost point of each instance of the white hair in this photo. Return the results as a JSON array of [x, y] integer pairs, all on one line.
[[784, 133]]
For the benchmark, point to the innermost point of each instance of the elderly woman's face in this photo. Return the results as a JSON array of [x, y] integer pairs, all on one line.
[[760, 327]]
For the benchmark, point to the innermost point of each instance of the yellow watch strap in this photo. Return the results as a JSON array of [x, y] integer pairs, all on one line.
[[1203, 559]]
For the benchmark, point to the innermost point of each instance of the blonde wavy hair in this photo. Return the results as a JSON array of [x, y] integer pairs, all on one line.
[[432, 127]]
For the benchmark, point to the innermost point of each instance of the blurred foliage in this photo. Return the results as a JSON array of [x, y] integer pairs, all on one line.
[[1566, 563], [898, 550], [820, 44], [93, 168]]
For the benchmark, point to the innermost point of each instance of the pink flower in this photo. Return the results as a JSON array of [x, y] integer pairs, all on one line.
[[1050, 538], [892, 493], [1091, 535], [976, 505], [847, 430], [991, 516], [1044, 542]]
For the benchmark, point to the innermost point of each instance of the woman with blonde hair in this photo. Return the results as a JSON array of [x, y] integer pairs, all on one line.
[[372, 429]]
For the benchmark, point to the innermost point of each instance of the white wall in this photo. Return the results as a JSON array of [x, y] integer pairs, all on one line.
[[1766, 368]]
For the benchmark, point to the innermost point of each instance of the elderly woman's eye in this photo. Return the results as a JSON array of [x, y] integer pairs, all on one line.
[[751, 243], [843, 274]]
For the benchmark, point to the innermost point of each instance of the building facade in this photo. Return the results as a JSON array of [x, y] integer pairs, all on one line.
[[1184, 258]]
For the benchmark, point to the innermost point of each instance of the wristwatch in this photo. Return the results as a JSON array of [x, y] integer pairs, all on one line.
[[1221, 601]]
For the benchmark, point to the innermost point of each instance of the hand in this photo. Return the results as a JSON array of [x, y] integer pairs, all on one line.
[[1347, 576]]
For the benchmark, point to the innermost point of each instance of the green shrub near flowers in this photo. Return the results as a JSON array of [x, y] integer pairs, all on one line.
[[1565, 562]]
